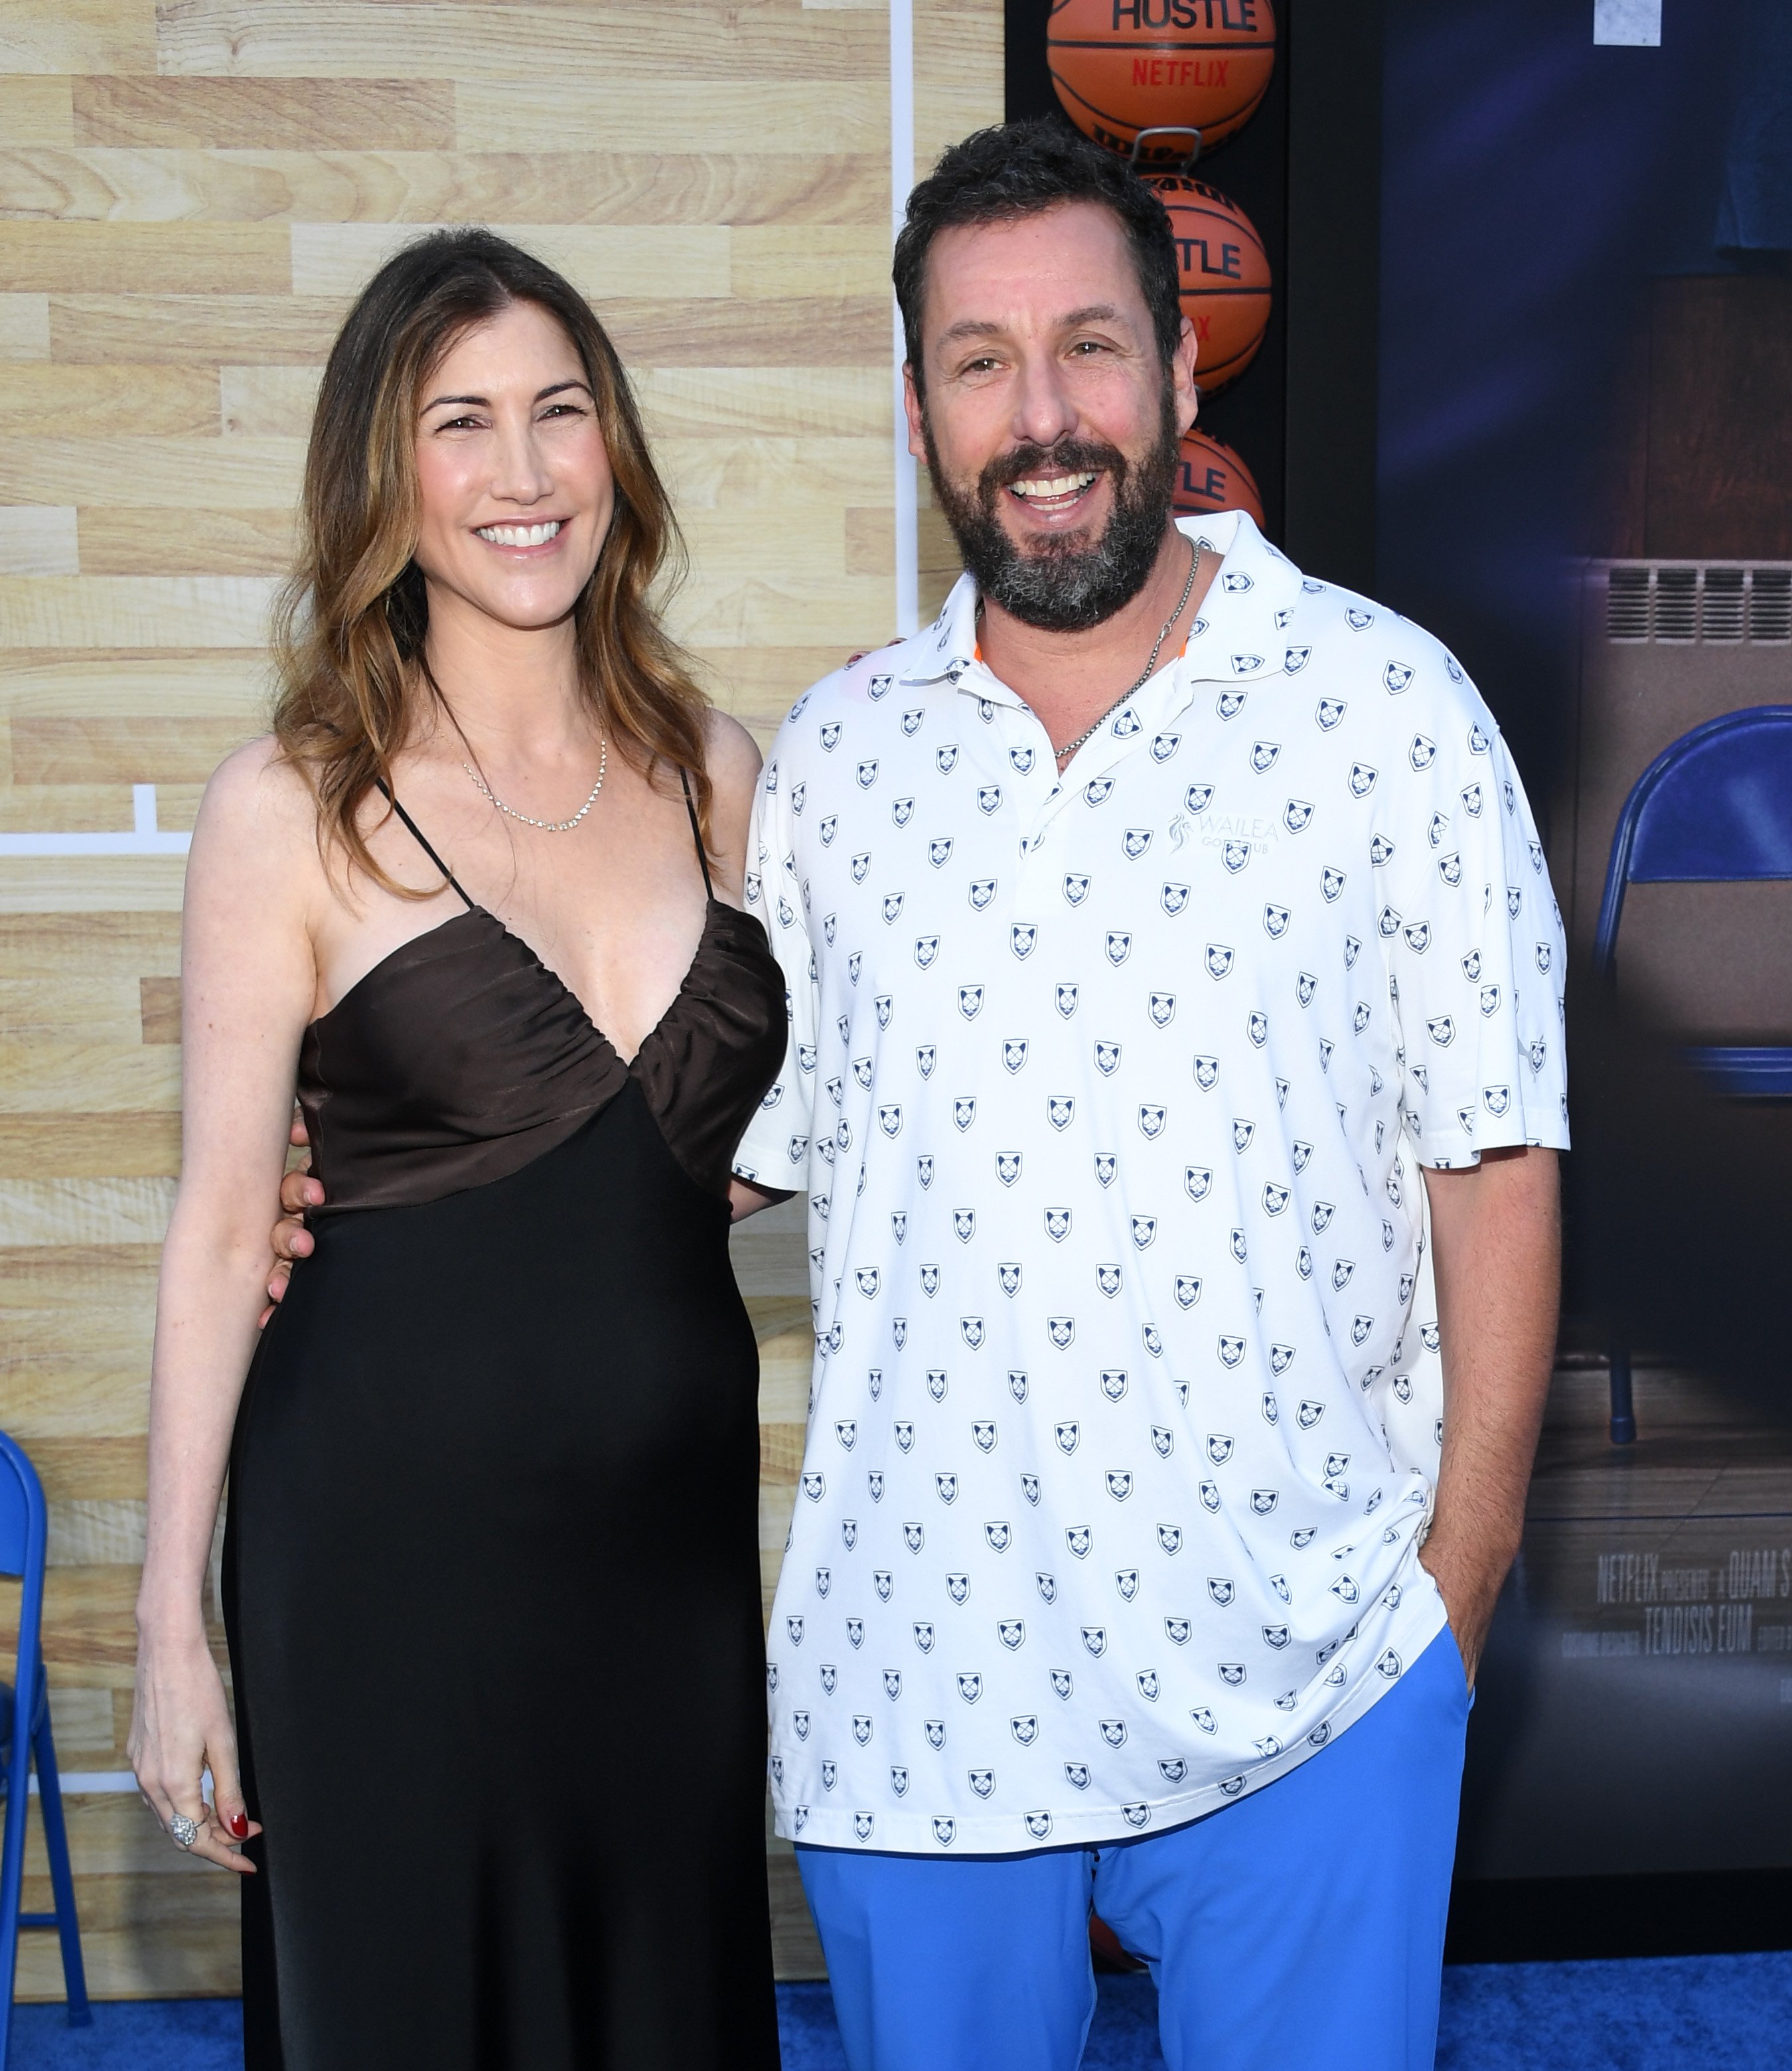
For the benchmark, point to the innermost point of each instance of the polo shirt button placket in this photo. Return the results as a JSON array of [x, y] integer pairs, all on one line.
[[1035, 813]]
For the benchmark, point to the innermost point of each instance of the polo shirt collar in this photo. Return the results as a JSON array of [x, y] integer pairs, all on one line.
[[1241, 634]]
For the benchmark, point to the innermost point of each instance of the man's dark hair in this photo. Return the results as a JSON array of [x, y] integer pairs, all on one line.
[[1020, 169]]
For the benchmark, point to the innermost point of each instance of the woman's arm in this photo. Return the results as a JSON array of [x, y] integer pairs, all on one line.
[[248, 980]]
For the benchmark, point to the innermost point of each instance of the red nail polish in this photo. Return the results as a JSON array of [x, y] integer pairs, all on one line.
[[239, 1824]]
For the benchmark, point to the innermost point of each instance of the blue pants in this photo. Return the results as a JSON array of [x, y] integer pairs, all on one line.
[[1301, 1928]]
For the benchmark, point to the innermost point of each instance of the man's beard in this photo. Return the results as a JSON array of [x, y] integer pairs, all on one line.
[[1067, 583]]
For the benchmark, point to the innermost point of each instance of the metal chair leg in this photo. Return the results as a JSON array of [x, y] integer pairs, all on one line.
[[1624, 1421], [12, 1861], [62, 1881]]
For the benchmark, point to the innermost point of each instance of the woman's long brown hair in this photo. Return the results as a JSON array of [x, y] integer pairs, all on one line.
[[349, 626]]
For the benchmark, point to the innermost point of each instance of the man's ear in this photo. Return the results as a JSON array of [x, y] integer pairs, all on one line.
[[1182, 376], [911, 405]]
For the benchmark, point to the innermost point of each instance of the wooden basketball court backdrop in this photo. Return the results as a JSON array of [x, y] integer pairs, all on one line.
[[190, 193]]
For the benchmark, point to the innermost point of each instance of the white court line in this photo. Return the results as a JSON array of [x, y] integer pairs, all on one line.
[[902, 179], [91, 1782], [144, 838]]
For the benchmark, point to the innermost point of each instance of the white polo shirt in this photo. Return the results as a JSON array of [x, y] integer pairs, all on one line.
[[1109, 1092]]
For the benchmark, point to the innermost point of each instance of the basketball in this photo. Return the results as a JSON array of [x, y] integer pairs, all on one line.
[[1122, 66], [1210, 477], [1223, 274]]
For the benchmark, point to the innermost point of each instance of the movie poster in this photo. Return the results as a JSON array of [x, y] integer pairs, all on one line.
[[1584, 425]]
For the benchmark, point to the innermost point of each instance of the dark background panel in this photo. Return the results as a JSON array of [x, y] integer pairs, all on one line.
[[1533, 185], [1332, 294], [1533, 311], [1574, 365]]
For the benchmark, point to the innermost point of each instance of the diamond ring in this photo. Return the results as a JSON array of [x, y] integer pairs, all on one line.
[[185, 1831]]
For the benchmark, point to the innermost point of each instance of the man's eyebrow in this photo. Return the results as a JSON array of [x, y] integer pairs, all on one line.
[[970, 327], [482, 402], [973, 327]]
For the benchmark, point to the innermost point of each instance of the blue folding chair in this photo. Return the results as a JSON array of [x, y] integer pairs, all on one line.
[[25, 1732], [1715, 807]]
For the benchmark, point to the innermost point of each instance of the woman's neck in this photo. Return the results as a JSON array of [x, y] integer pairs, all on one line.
[[511, 691]]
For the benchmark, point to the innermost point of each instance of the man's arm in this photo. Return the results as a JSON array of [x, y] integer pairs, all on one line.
[[745, 1199], [1496, 1253], [290, 1239], [298, 1191]]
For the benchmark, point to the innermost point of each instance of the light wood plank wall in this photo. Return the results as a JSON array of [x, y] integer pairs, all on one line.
[[190, 193]]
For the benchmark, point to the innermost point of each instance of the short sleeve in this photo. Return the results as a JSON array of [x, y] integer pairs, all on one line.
[[1473, 938], [774, 1152]]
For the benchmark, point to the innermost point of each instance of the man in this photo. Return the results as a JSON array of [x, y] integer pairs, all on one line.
[[1169, 950]]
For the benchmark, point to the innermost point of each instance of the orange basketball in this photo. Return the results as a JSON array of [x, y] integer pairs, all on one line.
[[1121, 66], [1224, 272], [1210, 477]]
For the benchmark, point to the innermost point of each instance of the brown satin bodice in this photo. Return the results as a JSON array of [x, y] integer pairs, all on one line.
[[461, 1058]]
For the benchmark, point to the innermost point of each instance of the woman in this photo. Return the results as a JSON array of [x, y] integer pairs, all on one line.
[[492, 1567]]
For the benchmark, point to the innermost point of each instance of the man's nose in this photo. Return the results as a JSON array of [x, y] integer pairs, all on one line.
[[1044, 412]]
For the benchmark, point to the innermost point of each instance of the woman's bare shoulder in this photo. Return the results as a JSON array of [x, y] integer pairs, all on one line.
[[258, 808], [731, 755]]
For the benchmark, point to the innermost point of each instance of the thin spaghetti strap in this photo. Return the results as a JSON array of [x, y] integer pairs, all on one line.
[[696, 833], [423, 844]]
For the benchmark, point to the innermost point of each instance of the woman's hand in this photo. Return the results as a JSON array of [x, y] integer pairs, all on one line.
[[181, 1727]]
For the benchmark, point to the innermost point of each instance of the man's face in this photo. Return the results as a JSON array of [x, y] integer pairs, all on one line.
[[1050, 423]]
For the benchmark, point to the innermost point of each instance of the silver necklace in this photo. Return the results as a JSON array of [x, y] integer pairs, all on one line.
[[1089, 733], [550, 826]]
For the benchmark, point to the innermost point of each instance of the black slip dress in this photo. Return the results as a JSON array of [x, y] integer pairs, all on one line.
[[492, 1576]]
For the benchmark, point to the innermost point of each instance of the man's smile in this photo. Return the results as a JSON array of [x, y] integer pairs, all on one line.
[[1052, 492]]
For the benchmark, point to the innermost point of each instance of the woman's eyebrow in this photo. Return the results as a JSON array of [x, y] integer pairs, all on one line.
[[483, 402]]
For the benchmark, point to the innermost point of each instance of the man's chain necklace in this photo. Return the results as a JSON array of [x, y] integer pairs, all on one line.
[[1070, 747]]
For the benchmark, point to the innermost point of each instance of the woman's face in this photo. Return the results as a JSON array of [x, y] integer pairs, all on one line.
[[514, 483]]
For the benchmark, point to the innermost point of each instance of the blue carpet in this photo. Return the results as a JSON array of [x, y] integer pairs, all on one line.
[[1661, 2013], [1679, 2013], [131, 2034]]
